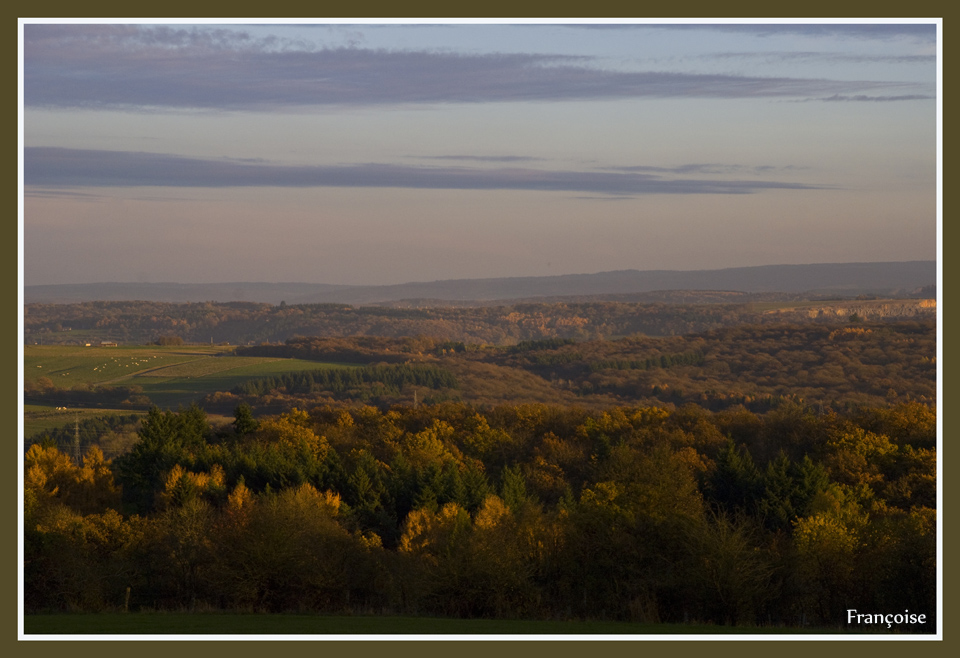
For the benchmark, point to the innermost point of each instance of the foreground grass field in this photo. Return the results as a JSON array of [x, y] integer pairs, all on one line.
[[264, 624]]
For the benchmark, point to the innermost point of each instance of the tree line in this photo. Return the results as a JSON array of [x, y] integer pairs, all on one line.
[[389, 380]]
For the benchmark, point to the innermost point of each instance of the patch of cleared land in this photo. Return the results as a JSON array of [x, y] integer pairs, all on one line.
[[68, 366], [169, 376], [225, 374], [37, 418]]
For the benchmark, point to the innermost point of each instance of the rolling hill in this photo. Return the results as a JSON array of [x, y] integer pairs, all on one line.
[[842, 279]]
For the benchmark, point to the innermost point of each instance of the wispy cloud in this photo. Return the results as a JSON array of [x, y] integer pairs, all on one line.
[[156, 67], [917, 32], [860, 98], [830, 57], [706, 169], [70, 168], [602, 198], [480, 158]]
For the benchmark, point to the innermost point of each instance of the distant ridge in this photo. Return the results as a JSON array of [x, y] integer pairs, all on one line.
[[842, 279]]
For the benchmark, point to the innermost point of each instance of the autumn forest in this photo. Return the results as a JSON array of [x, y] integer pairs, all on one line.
[[749, 473]]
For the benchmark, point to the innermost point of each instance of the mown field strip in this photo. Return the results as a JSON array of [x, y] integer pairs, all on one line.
[[204, 366]]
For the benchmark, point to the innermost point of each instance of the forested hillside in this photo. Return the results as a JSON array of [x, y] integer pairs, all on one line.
[[526, 511], [755, 366], [245, 323]]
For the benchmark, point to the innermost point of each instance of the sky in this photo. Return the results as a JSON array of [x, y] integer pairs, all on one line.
[[388, 153]]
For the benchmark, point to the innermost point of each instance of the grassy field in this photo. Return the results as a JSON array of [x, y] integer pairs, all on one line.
[[222, 375], [238, 624], [169, 376], [37, 418], [69, 365]]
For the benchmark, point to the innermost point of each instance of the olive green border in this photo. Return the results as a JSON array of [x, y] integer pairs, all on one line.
[[498, 8]]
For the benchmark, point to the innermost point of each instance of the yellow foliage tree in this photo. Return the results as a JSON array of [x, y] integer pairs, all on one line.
[[855, 456], [51, 475], [827, 544], [182, 486], [433, 533], [293, 429], [434, 445]]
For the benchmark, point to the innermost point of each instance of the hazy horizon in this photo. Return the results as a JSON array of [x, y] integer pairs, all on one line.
[[400, 283], [352, 154]]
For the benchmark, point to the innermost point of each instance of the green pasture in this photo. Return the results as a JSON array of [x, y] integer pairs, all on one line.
[[68, 365], [214, 374], [279, 624], [170, 376]]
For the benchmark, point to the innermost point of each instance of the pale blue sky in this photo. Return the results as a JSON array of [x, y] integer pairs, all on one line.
[[382, 154]]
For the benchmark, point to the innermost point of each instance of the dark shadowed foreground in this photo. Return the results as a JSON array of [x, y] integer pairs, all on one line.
[[182, 623]]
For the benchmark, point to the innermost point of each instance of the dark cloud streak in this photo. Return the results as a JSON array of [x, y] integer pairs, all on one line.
[[131, 67], [77, 168]]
